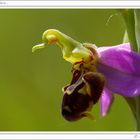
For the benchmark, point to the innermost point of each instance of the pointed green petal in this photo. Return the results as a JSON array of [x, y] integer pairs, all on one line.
[[125, 37]]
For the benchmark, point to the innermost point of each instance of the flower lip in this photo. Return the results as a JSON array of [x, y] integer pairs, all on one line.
[[76, 76], [79, 96], [75, 84], [95, 84], [74, 106]]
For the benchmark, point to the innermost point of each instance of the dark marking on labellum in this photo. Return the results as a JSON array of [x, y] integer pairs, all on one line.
[[75, 105], [96, 82]]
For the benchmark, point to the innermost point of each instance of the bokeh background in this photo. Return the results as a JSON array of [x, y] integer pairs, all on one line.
[[30, 83]]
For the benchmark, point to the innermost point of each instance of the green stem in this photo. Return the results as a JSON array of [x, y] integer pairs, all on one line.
[[138, 113], [134, 104], [128, 16]]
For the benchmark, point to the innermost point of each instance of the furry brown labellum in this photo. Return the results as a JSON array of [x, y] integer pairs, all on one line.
[[84, 90]]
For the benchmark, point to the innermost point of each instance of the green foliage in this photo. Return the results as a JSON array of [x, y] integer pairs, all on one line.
[[137, 27], [129, 19]]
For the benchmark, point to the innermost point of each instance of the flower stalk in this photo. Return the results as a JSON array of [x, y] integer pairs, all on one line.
[[131, 27], [138, 113], [128, 16]]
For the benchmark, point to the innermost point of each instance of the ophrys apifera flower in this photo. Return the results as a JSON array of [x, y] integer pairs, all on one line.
[[98, 73]]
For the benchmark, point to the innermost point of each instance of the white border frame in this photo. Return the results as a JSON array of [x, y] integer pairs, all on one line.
[[70, 135], [71, 4]]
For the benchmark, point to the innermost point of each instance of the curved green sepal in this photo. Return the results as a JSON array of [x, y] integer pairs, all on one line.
[[125, 37], [72, 50]]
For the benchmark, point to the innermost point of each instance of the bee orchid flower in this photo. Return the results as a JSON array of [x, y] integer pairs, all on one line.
[[98, 74]]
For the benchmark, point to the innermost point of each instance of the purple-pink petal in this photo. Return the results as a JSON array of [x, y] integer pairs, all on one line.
[[120, 57], [106, 101], [121, 68], [120, 82]]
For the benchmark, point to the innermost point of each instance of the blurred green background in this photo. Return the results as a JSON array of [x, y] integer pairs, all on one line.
[[30, 83]]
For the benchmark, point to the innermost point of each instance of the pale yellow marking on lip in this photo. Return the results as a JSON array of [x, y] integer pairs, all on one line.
[[67, 108], [72, 87], [89, 115]]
